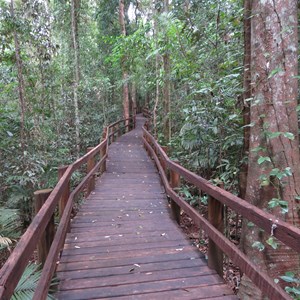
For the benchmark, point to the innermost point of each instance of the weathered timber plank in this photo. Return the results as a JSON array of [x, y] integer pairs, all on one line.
[[138, 288], [218, 292], [129, 253], [134, 278], [83, 250], [104, 263], [101, 236], [174, 266], [121, 240]]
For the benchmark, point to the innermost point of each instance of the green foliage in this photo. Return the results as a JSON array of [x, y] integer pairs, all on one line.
[[28, 283], [258, 245], [294, 290], [9, 227]]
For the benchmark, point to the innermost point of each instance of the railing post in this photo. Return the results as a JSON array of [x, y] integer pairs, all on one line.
[[134, 120], [175, 182], [66, 193], [162, 162], [103, 152], [47, 237], [90, 166], [215, 217], [118, 130]]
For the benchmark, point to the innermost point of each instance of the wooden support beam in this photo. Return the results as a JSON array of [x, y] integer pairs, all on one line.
[[216, 218], [66, 193], [90, 166], [47, 237]]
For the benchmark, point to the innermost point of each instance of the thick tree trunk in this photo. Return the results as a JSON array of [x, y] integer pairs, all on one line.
[[75, 4], [274, 134], [21, 85], [126, 108]]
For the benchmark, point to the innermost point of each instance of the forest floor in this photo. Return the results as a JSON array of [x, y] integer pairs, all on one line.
[[231, 273]]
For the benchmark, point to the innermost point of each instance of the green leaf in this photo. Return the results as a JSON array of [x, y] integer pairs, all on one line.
[[288, 171], [273, 135], [263, 159], [274, 72], [258, 245], [257, 149], [274, 172], [272, 242], [9, 133], [289, 135]]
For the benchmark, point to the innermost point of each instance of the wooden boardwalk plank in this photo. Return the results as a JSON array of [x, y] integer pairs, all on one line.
[[123, 243]]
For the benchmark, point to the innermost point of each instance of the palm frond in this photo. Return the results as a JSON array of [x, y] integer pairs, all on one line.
[[28, 283]]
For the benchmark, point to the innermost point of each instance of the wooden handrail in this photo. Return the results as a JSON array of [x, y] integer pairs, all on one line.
[[13, 269], [147, 113], [287, 233]]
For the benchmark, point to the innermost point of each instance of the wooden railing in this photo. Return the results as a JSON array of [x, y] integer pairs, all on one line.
[[171, 172], [61, 196], [146, 113]]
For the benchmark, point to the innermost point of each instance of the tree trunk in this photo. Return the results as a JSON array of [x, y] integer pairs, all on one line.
[[157, 72], [246, 96], [274, 144], [126, 108], [167, 87], [133, 98], [21, 85], [75, 5]]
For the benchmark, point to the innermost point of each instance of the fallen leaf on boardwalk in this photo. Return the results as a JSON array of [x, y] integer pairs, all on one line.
[[77, 247]]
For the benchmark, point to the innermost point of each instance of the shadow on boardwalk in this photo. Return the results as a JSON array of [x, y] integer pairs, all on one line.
[[123, 243]]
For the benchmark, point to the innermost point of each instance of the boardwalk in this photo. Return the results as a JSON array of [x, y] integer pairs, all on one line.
[[123, 243]]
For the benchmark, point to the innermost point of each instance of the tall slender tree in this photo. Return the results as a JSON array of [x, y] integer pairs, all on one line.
[[75, 6], [126, 104], [246, 96], [167, 84], [274, 160], [21, 85]]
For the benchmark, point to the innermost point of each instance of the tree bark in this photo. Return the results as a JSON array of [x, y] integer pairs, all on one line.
[[247, 94], [274, 132], [167, 86], [75, 5], [157, 72], [21, 85], [133, 98], [126, 108]]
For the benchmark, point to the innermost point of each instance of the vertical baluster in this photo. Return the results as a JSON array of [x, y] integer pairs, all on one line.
[[47, 237]]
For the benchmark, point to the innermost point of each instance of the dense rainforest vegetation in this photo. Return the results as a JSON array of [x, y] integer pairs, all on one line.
[[219, 76]]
